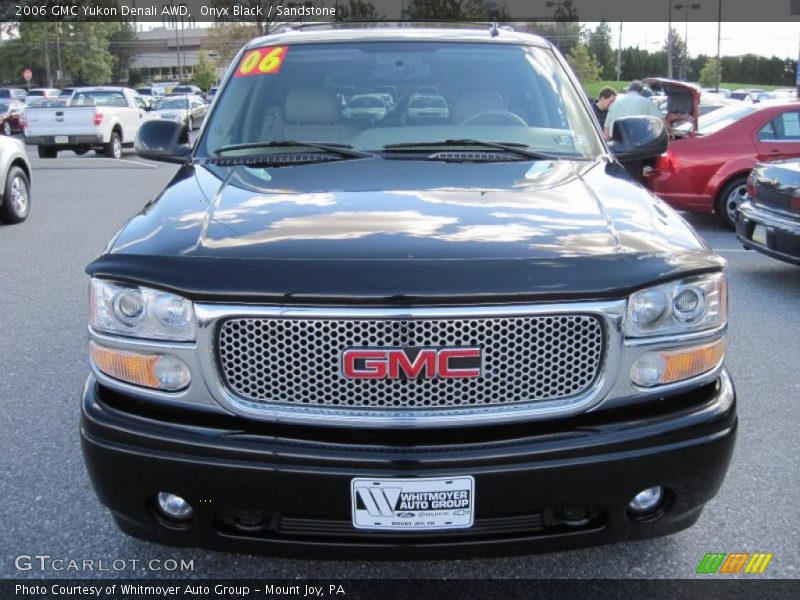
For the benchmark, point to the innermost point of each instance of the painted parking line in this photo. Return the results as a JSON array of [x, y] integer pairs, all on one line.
[[89, 163]]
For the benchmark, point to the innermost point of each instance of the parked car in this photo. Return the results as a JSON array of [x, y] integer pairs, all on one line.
[[13, 93], [185, 89], [11, 112], [38, 96], [375, 341], [423, 108], [15, 181], [211, 93], [369, 107], [706, 172], [105, 119], [151, 94], [769, 216], [784, 93], [190, 110], [67, 92], [721, 92]]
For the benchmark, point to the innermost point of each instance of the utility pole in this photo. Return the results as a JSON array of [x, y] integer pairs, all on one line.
[[669, 43], [47, 56], [719, 39], [59, 73], [619, 53]]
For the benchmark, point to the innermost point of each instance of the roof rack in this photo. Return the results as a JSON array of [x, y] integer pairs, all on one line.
[[492, 26]]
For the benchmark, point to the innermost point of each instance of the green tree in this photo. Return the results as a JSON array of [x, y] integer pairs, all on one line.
[[357, 10], [122, 46], [225, 39], [678, 51], [599, 45], [709, 72], [205, 73], [584, 64], [477, 10]]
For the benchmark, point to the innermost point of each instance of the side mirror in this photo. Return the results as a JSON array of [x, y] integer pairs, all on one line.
[[166, 141], [147, 107], [639, 138]]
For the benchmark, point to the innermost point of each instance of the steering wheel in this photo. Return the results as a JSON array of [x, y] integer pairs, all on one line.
[[494, 113]]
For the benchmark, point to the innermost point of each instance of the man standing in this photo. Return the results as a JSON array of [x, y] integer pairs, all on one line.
[[602, 104], [631, 104]]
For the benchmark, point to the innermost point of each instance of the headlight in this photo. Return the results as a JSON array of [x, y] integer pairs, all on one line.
[[691, 304], [140, 312]]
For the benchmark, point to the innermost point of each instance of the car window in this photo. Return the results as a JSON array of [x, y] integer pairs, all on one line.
[[99, 98], [506, 93], [140, 103], [785, 126], [719, 119], [173, 103]]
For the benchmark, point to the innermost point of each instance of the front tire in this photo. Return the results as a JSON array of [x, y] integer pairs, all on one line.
[[113, 149], [47, 152], [729, 199], [17, 199]]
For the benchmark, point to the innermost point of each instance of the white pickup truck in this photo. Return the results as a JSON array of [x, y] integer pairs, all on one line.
[[101, 118]]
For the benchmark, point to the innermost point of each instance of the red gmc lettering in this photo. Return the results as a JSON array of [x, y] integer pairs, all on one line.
[[394, 363]]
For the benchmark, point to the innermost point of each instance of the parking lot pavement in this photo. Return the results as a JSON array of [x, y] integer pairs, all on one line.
[[49, 508]]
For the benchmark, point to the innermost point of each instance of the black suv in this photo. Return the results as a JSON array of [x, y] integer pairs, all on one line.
[[343, 336]]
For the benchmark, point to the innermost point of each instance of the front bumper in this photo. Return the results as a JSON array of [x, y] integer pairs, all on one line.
[[282, 490], [782, 233]]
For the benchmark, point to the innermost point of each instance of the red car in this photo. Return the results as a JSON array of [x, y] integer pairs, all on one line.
[[706, 171], [10, 115]]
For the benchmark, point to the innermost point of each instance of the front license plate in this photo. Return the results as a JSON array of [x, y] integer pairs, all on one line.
[[62, 139], [760, 235], [413, 504]]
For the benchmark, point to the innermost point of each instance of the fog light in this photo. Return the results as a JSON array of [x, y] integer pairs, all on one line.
[[647, 500], [174, 507]]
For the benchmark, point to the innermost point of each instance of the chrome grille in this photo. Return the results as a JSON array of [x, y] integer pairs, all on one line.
[[296, 361]]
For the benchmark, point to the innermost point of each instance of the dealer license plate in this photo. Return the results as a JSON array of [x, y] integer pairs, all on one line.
[[413, 504], [760, 235], [62, 139]]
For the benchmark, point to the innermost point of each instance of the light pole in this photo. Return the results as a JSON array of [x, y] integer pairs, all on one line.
[[619, 52], [685, 8], [719, 39]]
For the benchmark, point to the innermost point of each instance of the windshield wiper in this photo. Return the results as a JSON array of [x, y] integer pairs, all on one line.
[[343, 150], [513, 147]]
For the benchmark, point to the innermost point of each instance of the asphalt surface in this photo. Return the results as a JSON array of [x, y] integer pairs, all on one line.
[[48, 506]]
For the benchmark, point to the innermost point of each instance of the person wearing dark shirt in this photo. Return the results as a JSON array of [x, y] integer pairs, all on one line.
[[604, 100]]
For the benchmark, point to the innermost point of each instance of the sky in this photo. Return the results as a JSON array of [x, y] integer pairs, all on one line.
[[766, 39]]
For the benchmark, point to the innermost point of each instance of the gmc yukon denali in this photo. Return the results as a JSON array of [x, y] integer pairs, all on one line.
[[341, 336]]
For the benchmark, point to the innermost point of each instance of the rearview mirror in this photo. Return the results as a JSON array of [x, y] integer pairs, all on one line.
[[639, 138], [166, 141]]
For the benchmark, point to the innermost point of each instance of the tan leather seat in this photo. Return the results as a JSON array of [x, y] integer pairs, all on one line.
[[314, 115]]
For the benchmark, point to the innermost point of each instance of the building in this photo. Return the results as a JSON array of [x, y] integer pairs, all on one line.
[[168, 53]]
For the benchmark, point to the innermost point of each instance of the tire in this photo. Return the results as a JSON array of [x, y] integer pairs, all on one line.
[[727, 204], [6, 128], [17, 199], [113, 149], [47, 152]]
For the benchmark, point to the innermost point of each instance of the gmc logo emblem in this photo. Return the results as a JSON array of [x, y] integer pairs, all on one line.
[[411, 363]]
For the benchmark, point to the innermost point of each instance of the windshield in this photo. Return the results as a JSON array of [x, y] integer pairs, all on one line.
[[98, 98], [721, 118], [176, 103], [36, 93], [499, 93]]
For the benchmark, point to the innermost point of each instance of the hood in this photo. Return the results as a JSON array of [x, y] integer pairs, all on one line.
[[404, 229], [683, 101]]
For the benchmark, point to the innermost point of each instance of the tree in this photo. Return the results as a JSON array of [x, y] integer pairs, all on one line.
[[264, 16], [358, 10], [122, 46], [599, 45], [445, 10], [678, 49], [584, 64], [205, 73], [225, 39], [709, 72]]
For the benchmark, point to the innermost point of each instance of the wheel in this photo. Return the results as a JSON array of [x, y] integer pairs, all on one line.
[[17, 199], [47, 152], [81, 150], [189, 124], [113, 149], [727, 204], [6, 128]]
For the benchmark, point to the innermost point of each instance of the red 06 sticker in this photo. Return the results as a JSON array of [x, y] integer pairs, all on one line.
[[261, 61]]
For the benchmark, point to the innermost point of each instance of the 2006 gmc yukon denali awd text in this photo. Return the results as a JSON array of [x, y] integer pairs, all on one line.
[[377, 337]]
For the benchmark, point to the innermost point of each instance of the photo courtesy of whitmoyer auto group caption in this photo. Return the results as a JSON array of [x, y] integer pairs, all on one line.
[[400, 299]]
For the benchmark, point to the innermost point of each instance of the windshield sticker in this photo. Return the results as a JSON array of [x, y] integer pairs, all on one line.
[[261, 61]]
